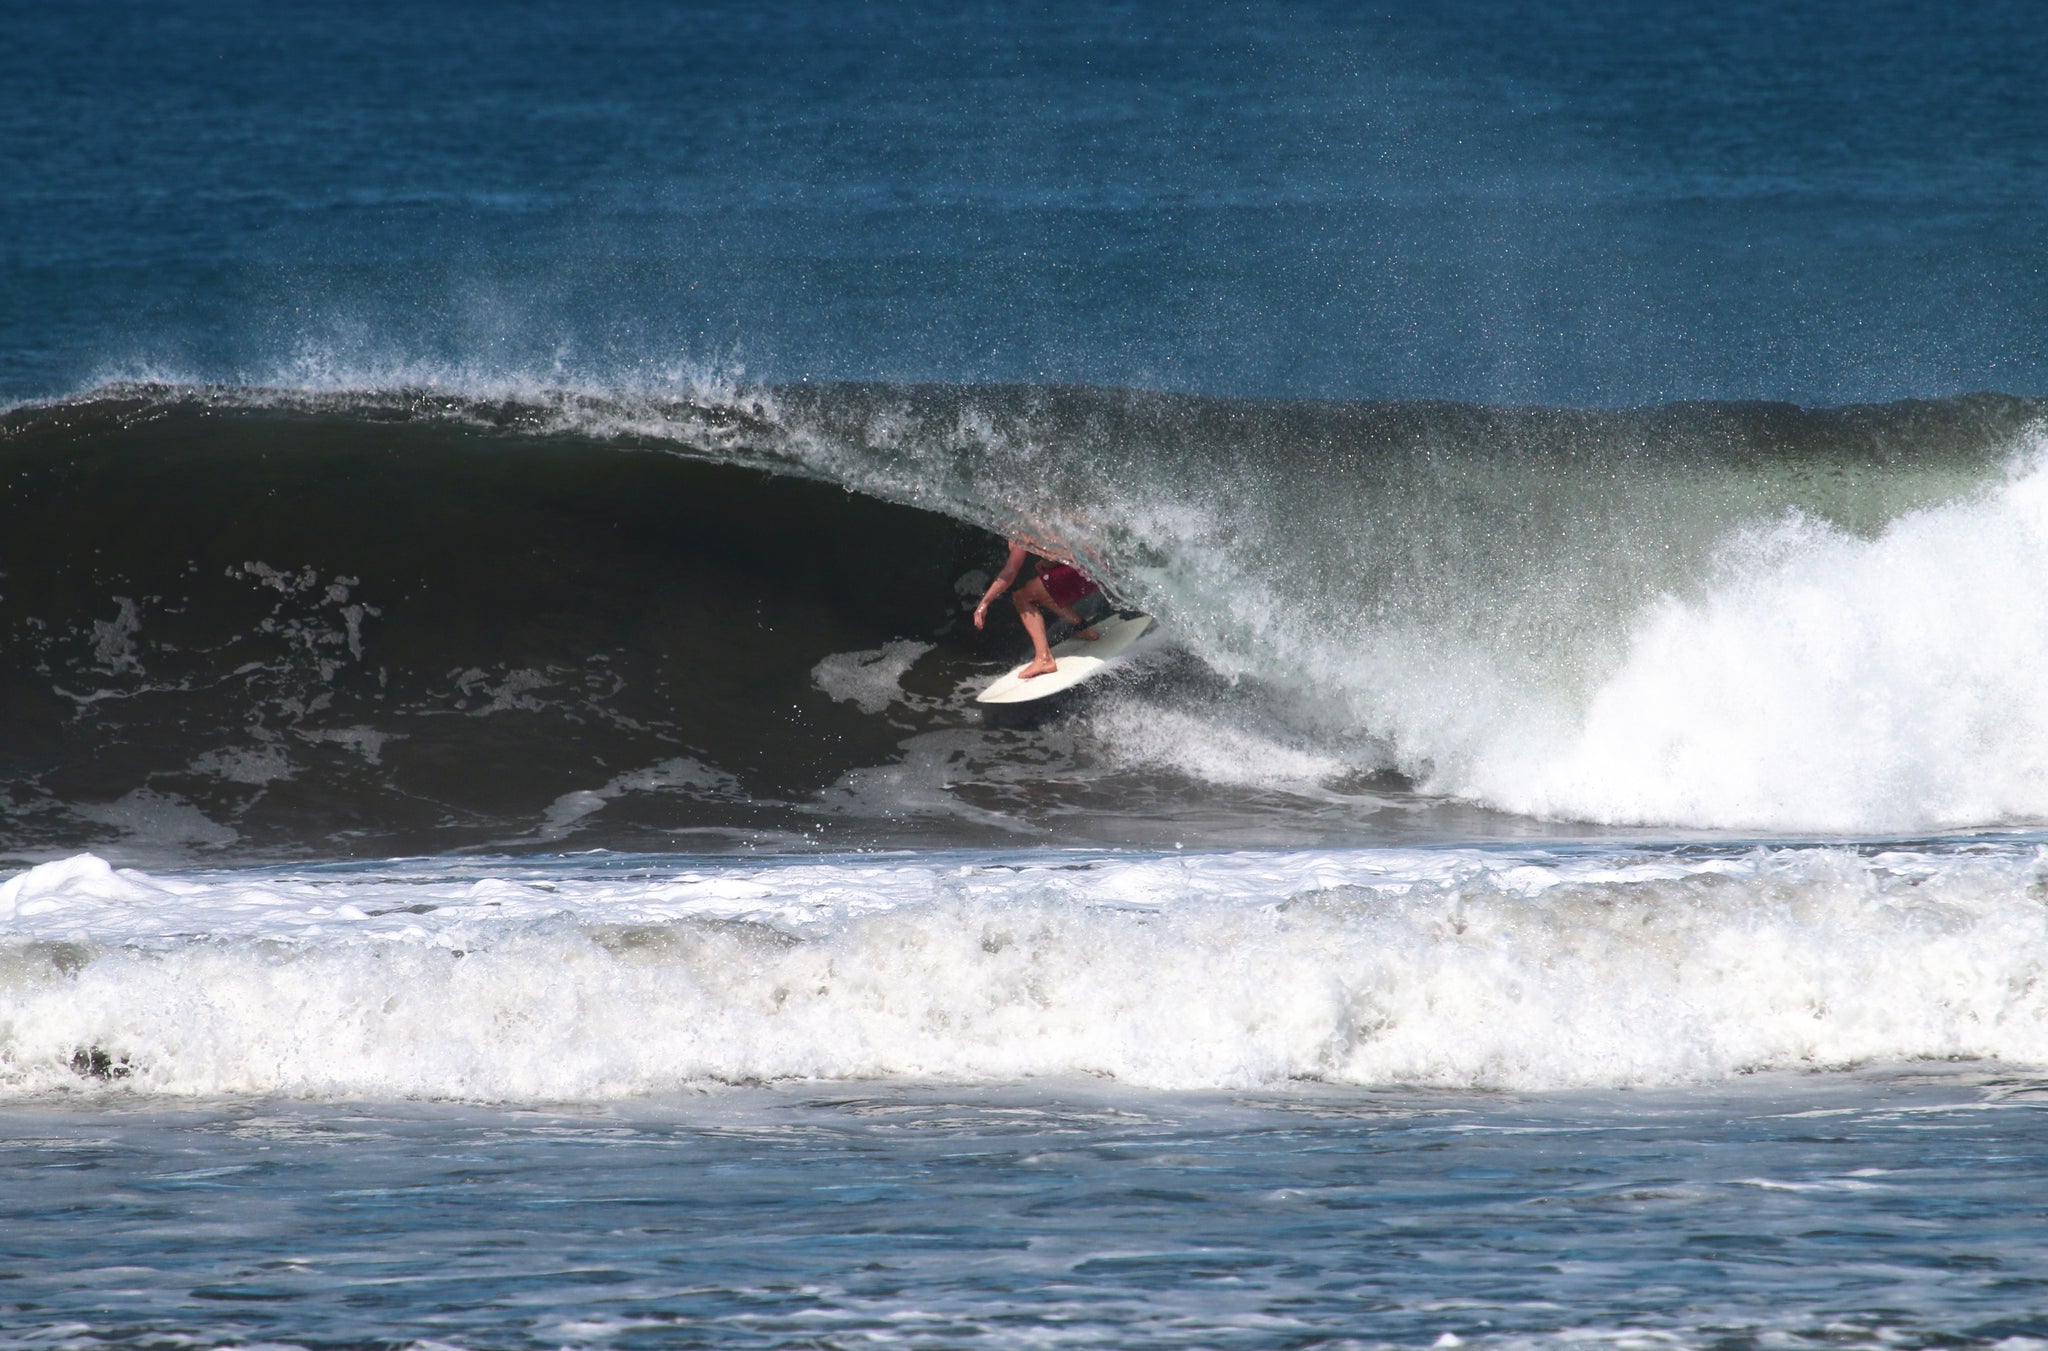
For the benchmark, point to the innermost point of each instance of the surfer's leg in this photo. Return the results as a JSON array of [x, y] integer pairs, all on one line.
[[1066, 612], [1031, 602]]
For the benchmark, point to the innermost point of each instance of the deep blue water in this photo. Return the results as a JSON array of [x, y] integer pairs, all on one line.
[[1496, 201]]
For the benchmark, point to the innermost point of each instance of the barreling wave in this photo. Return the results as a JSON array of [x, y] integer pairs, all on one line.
[[391, 615]]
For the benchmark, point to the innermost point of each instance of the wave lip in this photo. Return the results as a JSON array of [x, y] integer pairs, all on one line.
[[1455, 968]]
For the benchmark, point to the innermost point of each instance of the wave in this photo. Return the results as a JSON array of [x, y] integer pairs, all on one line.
[[391, 613], [1453, 968], [1824, 681]]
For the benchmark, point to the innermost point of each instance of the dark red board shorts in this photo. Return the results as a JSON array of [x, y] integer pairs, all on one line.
[[1065, 584]]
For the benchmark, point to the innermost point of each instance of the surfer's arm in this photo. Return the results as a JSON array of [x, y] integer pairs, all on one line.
[[1004, 580]]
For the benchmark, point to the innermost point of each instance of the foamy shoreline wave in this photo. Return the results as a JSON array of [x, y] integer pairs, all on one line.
[[1454, 968]]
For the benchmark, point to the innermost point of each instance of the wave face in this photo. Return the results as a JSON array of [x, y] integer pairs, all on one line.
[[1455, 968], [415, 616]]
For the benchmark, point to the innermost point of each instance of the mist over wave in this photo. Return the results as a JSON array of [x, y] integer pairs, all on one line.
[[418, 610]]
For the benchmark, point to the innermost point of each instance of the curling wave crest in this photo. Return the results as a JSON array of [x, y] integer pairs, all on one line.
[[1714, 616], [1467, 968]]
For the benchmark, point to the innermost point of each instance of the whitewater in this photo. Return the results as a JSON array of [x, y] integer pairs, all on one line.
[[596, 979]]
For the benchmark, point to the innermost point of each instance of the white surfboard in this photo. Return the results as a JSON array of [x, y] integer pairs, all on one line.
[[1077, 658]]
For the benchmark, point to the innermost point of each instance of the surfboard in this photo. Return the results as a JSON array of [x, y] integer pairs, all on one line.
[[1077, 659]]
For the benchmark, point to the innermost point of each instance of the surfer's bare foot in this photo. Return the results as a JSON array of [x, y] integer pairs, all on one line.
[[1089, 634], [1042, 666]]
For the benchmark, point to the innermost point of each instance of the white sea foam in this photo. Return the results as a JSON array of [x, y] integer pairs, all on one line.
[[678, 774], [1140, 732], [1765, 672], [1824, 682], [1447, 967], [163, 822], [872, 679]]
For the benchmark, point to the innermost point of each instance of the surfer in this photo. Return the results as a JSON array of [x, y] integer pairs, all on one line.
[[1055, 587]]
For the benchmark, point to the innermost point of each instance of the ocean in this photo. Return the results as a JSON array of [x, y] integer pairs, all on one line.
[[498, 849]]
